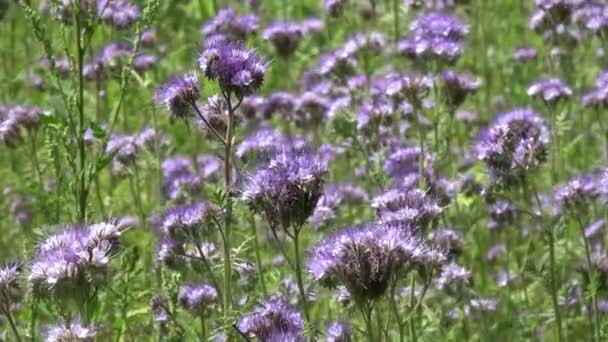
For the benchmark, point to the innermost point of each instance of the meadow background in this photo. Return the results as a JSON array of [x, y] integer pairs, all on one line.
[[379, 170]]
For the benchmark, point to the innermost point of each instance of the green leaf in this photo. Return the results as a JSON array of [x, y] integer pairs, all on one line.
[[345, 125]]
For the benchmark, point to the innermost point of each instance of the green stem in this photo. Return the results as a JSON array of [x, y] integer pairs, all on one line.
[[413, 306], [596, 318], [82, 191], [228, 218], [395, 310], [11, 322], [258, 257], [203, 328], [297, 262]]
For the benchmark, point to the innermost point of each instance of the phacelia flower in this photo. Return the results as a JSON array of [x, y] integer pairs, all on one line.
[[458, 86], [73, 331], [228, 22], [550, 90], [237, 70], [525, 54], [578, 193], [412, 206], [334, 8], [516, 143], [273, 318], [285, 36], [75, 257], [366, 259], [9, 283], [197, 298], [339, 332], [121, 13], [454, 279], [187, 220], [179, 95], [287, 189]]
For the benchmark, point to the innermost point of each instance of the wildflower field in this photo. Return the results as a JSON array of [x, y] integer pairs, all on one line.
[[304, 170]]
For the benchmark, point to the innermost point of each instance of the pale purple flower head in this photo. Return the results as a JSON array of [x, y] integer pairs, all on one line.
[[75, 257], [9, 283], [550, 90], [525, 54], [197, 298], [366, 259], [287, 189], [454, 279], [236, 69], [179, 95], [403, 161], [598, 97], [263, 143], [409, 206], [228, 22], [73, 331], [458, 86], [120, 13], [183, 221], [339, 332], [579, 192], [285, 36], [334, 8], [272, 319], [449, 240], [502, 214], [516, 143]]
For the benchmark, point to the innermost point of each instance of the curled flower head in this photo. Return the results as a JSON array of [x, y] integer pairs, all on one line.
[[454, 279], [179, 94], [550, 90], [339, 332], [516, 143], [73, 331], [228, 22], [197, 298], [9, 282], [287, 189], [271, 319], [366, 259], [458, 86], [237, 70], [75, 257], [413, 207], [184, 221], [285, 36], [578, 193], [120, 13]]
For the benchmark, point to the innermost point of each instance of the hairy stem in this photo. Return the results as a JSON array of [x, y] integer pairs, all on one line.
[[258, 257], [298, 265]]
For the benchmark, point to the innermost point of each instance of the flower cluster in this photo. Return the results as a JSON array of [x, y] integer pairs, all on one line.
[[274, 320], [15, 119], [517, 142], [75, 257], [121, 13], [183, 177], [409, 206], [236, 69], [366, 259], [334, 196], [228, 23], [550, 90], [179, 95], [287, 189], [435, 35], [75, 330], [197, 298]]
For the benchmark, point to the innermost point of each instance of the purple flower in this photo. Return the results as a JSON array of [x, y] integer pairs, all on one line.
[[334, 8], [502, 214], [75, 330], [285, 36], [495, 251], [339, 332], [458, 86], [516, 143], [179, 95], [120, 13], [228, 22], [598, 97], [311, 110], [237, 70], [74, 257], [413, 207], [449, 240], [592, 16], [9, 283], [197, 298], [454, 279], [149, 37], [550, 90], [525, 54], [272, 319], [338, 63], [144, 62], [403, 161], [366, 259], [185, 221], [282, 102], [578, 193], [286, 189], [334, 196]]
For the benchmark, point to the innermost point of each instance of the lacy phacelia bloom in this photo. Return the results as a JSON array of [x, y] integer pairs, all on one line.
[[120, 13], [334, 8], [73, 331], [237, 70], [275, 317], [517, 142], [366, 259], [287, 189], [578, 193], [502, 214], [436, 35], [525, 54], [185, 221], [334, 196], [179, 95], [228, 22], [9, 283], [285, 36], [550, 90], [458, 86], [413, 207], [449, 240], [197, 298], [454, 279], [78, 256], [339, 332]]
